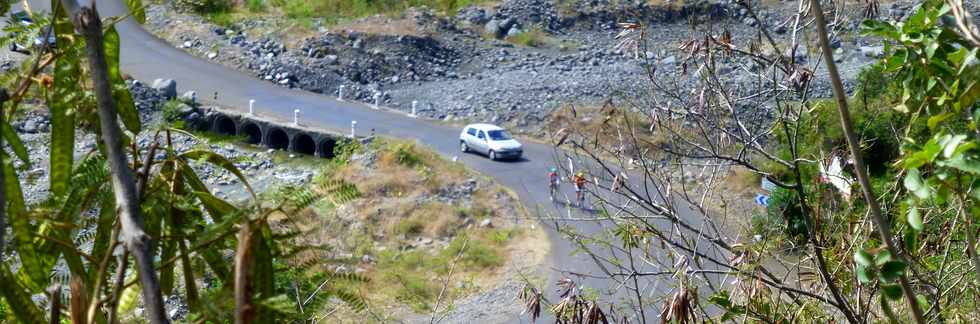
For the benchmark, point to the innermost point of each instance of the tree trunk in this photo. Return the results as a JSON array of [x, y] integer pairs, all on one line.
[[883, 226], [89, 24], [3, 192], [244, 306]]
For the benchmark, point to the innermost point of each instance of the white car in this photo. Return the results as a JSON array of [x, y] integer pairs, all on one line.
[[491, 140]]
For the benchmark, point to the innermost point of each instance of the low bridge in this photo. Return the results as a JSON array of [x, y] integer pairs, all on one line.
[[253, 130]]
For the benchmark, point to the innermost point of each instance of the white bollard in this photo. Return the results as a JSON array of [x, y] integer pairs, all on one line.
[[251, 107], [377, 100], [415, 104], [340, 93], [296, 117], [353, 129]]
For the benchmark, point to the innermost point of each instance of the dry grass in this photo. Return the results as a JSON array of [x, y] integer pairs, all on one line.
[[609, 127], [414, 237], [381, 25]]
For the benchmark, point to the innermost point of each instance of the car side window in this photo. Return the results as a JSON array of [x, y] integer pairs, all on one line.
[[482, 136], [471, 131]]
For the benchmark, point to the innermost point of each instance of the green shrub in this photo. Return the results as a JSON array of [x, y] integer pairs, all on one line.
[[409, 226], [880, 134], [406, 155], [255, 5], [533, 37], [171, 114], [477, 253], [782, 215], [205, 6]]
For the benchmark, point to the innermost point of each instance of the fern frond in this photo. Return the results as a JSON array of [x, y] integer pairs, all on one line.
[[353, 301]]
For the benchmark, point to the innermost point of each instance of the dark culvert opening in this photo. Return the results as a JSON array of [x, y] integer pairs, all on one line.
[[253, 135], [326, 148], [304, 144], [278, 139], [224, 126]]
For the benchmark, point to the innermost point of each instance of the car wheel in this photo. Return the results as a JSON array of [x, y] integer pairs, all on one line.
[[463, 147], [493, 155]]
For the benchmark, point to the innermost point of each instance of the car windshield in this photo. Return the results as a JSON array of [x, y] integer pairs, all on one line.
[[499, 135]]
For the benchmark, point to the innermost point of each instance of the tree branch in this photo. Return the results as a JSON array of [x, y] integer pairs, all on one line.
[[883, 227], [87, 22]]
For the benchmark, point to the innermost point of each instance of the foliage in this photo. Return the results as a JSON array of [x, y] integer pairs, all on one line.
[[73, 235], [327, 10], [534, 37], [407, 272], [205, 6], [915, 112], [784, 206], [255, 5]]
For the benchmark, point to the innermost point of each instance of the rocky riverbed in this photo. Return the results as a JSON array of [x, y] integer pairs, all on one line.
[[461, 67], [263, 168]]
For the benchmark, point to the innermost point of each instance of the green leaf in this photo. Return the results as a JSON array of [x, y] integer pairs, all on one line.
[[970, 94], [882, 258], [103, 230], [950, 143], [137, 10], [190, 284], [63, 103], [120, 93], [864, 274], [934, 121], [863, 258], [17, 296], [721, 299], [928, 153], [214, 205], [892, 291], [219, 161], [167, 273], [887, 309], [263, 270], [355, 302], [891, 270], [960, 162], [910, 239], [12, 191], [15, 143], [33, 270], [913, 182], [914, 218]]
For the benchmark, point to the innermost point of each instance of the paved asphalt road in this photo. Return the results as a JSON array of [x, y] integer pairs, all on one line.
[[146, 58]]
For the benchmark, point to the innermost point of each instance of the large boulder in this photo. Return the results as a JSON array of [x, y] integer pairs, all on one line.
[[499, 27], [873, 51], [166, 87], [473, 15], [492, 28], [189, 97]]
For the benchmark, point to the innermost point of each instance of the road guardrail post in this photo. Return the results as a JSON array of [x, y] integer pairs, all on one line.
[[251, 107], [377, 100], [415, 104], [353, 129], [340, 93], [296, 117]]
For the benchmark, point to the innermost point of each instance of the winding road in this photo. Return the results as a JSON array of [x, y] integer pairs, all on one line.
[[146, 57]]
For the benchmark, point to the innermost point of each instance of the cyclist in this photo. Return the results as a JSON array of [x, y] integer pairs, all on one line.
[[553, 180], [580, 189]]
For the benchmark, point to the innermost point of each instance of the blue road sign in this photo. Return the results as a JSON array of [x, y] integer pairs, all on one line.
[[762, 200]]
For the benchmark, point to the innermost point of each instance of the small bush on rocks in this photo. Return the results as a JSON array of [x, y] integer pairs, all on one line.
[[783, 213], [534, 37], [204, 6]]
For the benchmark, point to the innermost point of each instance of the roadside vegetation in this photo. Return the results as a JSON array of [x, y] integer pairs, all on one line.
[[423, 230], [874, 213], [326, 11], [130, 220]]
